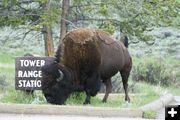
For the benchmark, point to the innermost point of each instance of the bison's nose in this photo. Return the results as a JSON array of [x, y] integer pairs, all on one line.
[[48, 98]]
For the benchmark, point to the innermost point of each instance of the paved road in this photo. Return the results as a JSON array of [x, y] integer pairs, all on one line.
[[55, 117]]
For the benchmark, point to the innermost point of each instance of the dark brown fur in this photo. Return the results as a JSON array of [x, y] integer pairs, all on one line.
[[92, 56]]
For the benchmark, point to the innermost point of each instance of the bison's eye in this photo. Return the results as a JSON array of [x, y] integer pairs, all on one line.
[[61, 75]]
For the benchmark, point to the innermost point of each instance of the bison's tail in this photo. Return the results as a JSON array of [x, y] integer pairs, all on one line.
[[125, 40]]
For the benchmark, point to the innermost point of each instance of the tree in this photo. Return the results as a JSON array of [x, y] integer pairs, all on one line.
[[33, 15], [135, 17], [47, 31], [64, 18]]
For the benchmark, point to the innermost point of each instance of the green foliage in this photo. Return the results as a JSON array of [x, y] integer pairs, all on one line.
[[153, 71], [134, 17], [5, 3], [50, 17], [108, 27], [12, 20], [103, 10], [29, 12], [163, 11], [138, 16]]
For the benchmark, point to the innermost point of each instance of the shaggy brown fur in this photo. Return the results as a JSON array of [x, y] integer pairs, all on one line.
[[90, 56]]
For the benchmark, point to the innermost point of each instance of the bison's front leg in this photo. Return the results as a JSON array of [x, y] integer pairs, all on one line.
[[92, 86], [88, 97]]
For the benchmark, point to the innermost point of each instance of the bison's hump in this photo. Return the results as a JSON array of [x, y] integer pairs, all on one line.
[[104, 37], [82, 35]]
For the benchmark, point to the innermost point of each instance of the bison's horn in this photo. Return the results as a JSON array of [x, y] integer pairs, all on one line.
[[61, 75]]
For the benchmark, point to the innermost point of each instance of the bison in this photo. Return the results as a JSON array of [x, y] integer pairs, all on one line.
[[84, 59]]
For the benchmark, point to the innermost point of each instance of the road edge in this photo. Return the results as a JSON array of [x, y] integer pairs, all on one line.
[[159, 103], [85, 110], [69, 110]]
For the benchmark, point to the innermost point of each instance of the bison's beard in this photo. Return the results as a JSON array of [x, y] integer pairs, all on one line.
[[59, 93]]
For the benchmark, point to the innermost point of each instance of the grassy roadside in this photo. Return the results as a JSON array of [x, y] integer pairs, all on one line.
[[146, 96], [8, 58], [149, 92], [10, 95]]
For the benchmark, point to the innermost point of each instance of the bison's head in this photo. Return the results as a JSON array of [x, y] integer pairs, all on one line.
[[57, 83]]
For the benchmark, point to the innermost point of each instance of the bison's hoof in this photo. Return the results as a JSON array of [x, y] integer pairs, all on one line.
[[127, 99], [104, 101], [86, 102], [127, 102]]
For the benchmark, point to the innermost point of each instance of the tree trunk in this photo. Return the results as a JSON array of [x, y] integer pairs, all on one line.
[[48, 39], [64, 17]]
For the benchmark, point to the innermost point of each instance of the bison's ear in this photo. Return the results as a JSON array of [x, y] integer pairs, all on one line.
[[61, 75]]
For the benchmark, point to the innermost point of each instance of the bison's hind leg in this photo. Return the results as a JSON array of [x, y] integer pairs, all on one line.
[[108, 85], [125, 75]]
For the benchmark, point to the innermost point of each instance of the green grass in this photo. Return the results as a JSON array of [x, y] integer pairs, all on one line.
[[12, 96], [17, 96], [7, 74], [150, 114], [173, 90], [149, 93], [161, 60], [6, 58]]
